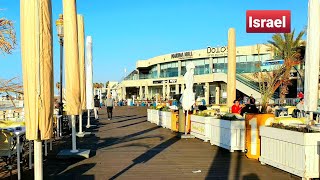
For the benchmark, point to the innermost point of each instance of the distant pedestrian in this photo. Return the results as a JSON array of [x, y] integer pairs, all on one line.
[[97, 106], [109, 105]]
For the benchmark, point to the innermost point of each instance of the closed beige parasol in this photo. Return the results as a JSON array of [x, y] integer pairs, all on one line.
[[81, 62], [72, 73], [36, 52], [82, 71]]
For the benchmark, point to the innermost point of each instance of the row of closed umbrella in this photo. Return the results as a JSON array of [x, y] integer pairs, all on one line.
[[37, 66]]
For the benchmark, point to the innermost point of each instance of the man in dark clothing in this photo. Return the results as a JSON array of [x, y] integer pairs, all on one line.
[[97, 105], [250, 107]]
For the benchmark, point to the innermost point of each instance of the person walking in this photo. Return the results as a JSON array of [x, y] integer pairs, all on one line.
[[109, 105], [97, 105]]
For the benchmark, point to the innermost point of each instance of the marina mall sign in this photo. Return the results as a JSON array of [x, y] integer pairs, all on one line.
[[211, 52], [182, 55]]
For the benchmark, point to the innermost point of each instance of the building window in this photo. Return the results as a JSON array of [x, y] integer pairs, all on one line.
[[169, 70], [201, 66], [153, 72], [199, 90]]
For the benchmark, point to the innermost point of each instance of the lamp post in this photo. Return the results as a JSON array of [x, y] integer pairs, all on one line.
[[59, 24]]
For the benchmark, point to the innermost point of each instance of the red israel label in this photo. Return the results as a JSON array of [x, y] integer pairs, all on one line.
[[268, 21]]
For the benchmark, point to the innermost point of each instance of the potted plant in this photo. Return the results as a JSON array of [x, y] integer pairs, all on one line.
[[269, 82], [294, 149], [200, 125], [165, 117], [154, 114], [149, 113], [228, 131]]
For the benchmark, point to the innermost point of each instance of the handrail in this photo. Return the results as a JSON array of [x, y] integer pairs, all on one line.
[[250, 84]]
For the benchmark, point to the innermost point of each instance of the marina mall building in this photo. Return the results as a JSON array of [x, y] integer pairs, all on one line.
[[162, 76]]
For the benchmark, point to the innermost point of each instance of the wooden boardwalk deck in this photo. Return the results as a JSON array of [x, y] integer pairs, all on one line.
[[129, 147]]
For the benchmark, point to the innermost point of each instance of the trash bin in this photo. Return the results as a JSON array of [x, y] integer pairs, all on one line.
[[253, 123], [174, 120]]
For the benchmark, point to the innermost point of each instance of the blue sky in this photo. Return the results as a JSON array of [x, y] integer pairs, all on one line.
[[125, 31]]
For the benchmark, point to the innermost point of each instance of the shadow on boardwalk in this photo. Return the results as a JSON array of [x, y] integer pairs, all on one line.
[[143, 158]]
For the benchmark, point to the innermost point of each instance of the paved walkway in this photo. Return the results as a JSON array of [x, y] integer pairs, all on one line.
[[129, 147]]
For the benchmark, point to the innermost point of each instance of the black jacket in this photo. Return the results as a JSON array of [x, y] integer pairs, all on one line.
[[97, 103], [249, 108]]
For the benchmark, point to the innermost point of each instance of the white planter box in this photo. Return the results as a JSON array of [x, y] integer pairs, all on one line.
[[149, 114], [291, 151], [165, 119], [200, 127], [228, 134], [155, 116], [160, 122]]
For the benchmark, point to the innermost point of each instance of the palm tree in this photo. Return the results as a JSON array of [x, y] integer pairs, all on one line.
[[289, 48], [7, 36]]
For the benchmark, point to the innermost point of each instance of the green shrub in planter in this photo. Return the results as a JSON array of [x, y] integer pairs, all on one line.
[[303, 129], [203, 114], [230, 116], [166, 108]]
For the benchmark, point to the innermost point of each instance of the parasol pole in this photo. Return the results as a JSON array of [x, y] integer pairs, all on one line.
[[80, 133], [38, 166], [74, 142], [88, 121], [187, 117]]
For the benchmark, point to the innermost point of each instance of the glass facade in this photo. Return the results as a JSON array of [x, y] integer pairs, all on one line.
[[201, 66], [169, 70], [132, 76], [245, 64], [153, 72], [199, 90]]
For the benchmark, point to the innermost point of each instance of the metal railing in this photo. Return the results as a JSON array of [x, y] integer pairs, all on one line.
[[287, 101], [248, 83], [254, 85]]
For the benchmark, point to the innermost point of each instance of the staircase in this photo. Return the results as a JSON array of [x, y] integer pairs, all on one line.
[[253, 85]]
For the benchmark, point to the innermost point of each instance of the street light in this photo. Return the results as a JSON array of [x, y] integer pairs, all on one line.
[[59, 24]]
